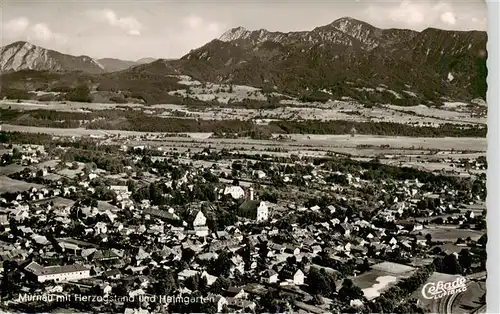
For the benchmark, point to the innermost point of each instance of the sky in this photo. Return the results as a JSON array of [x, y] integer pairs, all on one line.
[[130, 30]]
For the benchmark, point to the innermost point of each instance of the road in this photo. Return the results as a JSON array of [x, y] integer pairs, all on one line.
[[446, 304]]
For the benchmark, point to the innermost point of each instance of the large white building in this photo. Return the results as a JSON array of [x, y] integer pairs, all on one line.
[[262, 212], [58, 273]]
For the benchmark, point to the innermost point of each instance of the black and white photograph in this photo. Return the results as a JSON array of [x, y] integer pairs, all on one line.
[[244, 156]]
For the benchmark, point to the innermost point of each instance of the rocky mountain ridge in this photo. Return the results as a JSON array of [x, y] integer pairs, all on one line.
[[346, 31], [435, 63], [25, 56]]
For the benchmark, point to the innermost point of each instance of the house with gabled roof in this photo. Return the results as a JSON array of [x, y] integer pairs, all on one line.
[[57, 273], [236, 293], [269, 276], [196, 218]]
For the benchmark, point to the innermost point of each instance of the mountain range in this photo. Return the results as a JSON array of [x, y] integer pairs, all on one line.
[[435, 62], [346, 58], [113, 65], [22, 55]]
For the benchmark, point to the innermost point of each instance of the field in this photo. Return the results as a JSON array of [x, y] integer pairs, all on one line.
[[285, 110], [8, 185], [298, 140], [381, 277], [453, 248], [451, 234], [10, 169], [57, 201], [449, 113], [393, 268], [432, 166]]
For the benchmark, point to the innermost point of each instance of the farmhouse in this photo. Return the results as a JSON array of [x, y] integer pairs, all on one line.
[[269, 276]]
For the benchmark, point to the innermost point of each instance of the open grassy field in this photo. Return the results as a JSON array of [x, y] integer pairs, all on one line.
[[474, 144], [286, 110], [382, 283], [451, 234], [380, 278], [448, 113], [10, 169], [8, 185], [60, 106], [453, 248], [316, 141], [57, 201], [393, 268]]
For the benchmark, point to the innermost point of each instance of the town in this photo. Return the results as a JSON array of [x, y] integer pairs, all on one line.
[[234, 157], [106, 225]]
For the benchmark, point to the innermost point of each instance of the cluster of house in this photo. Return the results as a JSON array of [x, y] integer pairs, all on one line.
[[109, 244]]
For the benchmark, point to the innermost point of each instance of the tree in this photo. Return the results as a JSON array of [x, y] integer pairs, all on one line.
[[428, 238], [120, 290], [16, 154], [166, 284], [247, 253], [192, 283], [291, 260], [270, 303], [203, 284], [320, 282], [451, 265], [220, 285], [483, 240], [131, 185], [188, 255], [382, 305], [349, 291], [465, 259], [11, 278], [222, 265], [79, 94]]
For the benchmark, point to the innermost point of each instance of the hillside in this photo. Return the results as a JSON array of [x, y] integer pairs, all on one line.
[[145, 60], [113, 65], [346, 58], [25, 56]]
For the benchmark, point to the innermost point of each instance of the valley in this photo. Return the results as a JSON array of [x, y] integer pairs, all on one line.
[[336, 169]]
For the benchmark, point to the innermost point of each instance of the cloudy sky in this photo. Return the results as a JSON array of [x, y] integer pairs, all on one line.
[[131, 30]]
